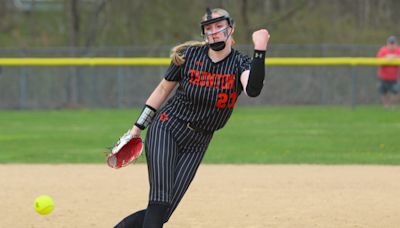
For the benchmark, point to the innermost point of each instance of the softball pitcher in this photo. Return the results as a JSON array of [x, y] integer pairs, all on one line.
[[210, 76]]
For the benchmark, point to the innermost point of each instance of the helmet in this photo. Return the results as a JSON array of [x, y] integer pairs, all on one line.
[[210, 20]]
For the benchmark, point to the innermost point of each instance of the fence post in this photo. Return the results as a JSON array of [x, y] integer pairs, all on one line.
[[72, 87], [353, 86], [22, 88], [120, 81], [324, 77]]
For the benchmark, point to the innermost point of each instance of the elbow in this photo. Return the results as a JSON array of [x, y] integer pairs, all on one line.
[[253, 92]]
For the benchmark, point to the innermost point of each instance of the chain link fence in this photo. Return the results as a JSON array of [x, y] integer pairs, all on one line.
[[49, 87]]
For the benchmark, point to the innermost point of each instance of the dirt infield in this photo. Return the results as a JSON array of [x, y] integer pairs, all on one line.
[[220, 196]]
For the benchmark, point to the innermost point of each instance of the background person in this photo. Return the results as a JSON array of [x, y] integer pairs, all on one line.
[[389, 75]]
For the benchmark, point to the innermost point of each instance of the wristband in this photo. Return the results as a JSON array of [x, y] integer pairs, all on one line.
[[258, 54], [146, 117]]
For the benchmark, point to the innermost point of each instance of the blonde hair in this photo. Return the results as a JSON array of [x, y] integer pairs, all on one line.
[[177, 56]]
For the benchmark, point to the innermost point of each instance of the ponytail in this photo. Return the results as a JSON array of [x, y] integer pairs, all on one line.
[[177, 56]]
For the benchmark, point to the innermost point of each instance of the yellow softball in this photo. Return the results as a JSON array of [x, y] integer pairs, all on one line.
[[44, 204]]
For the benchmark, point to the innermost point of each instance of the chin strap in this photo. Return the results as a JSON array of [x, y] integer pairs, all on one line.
[[220, 45]]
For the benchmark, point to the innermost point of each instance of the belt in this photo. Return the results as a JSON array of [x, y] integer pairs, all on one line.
[[196, 129]]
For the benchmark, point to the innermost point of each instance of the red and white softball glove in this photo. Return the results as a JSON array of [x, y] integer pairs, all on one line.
[[127, 150]]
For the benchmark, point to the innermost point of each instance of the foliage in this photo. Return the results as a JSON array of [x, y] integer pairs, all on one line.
[[161, 22]]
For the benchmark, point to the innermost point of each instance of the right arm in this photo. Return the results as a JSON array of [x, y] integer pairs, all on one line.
[[161, 93], [163, 90], [156, 99]]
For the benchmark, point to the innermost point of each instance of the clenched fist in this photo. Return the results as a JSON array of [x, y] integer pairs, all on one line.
[[260, 39]]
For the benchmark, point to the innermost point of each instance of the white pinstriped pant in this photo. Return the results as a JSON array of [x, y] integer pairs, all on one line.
[[173, 153]]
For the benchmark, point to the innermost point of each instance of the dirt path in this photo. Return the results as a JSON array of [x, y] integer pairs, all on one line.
[[220, 196]]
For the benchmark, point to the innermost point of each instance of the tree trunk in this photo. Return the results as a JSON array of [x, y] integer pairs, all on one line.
[[245, 19], [94, 27], [74, 35], [74, 22]]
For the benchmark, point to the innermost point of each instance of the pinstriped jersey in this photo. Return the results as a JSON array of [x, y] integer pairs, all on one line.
[[207, 90]]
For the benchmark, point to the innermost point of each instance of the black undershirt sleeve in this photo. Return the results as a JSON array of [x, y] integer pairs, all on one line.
[[257, 74]]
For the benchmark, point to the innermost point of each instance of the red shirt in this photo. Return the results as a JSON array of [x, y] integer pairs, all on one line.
[[389, 73]]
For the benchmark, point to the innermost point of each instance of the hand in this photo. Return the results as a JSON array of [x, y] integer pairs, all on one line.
[[260, 39], [135, 131]]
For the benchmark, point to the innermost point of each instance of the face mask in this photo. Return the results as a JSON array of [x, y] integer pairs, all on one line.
[[220, 45]]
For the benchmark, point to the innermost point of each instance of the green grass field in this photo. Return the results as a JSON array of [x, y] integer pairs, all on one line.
[[265, 135]]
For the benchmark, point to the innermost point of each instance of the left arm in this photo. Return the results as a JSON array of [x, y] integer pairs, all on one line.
[[252, 80]]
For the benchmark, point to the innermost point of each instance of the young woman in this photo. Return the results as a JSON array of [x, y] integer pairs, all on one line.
[[210, 77]]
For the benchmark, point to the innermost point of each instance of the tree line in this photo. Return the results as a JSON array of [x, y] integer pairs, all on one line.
[[99, 23]]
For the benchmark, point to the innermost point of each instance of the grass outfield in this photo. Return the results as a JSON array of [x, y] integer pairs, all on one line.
[[312, 135]]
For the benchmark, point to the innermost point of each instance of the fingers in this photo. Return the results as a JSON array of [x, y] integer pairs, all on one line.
[[261, 34], [260, 39]]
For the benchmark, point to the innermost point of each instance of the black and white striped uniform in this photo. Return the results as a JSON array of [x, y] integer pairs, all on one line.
[[177, 139]]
